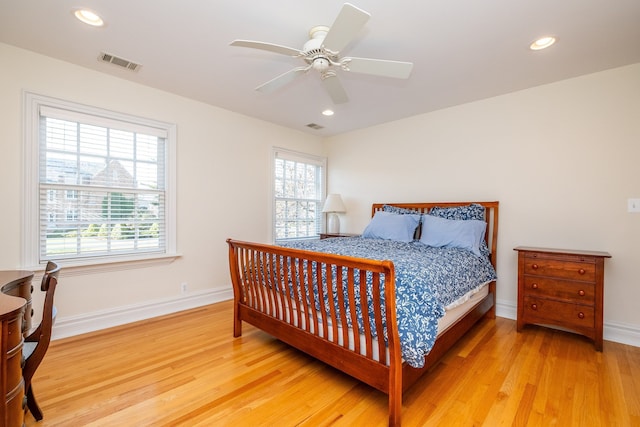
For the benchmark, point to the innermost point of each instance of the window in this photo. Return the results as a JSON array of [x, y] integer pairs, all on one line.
[[99, 185], [299, 187]]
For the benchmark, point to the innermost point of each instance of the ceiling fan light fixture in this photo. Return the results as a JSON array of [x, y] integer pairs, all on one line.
[[542, 43], [89, 17], [321, 64]]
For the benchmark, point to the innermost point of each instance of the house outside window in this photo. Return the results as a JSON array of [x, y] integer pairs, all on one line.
[[100, 185], [299, 182]]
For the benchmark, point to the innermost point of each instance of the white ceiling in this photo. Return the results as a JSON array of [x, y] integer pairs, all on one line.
[[462, 50]]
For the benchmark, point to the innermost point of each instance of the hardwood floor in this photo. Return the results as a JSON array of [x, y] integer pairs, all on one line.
[[186, 369]]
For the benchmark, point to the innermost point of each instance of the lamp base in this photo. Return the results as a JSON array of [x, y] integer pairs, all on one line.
[[333, 223]]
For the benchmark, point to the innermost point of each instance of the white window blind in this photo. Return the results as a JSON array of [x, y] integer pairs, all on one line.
[[299, 187], [102, 185]]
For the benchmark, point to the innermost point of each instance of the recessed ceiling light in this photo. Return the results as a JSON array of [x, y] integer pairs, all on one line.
[[328, 112], [89, 17], [542, 43]]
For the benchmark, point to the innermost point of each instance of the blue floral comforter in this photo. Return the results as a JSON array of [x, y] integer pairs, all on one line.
[[427, 280]]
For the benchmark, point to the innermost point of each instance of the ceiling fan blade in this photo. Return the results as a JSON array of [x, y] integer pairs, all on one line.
[[282, 80], [284, 50], [347, 25], [377, 67], [334, 88]]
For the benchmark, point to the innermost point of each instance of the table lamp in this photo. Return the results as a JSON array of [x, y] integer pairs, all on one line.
[[332, 206]]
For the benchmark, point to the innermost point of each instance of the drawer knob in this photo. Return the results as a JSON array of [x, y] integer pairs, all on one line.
[[581, 315], [535, 307], [581, 292], [534, 266], [581, 271], [534, 285]]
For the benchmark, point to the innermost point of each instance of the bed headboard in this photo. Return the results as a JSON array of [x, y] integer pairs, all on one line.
[[491, 217]]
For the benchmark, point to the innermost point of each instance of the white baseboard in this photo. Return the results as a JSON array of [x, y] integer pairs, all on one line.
[[616, 332], [621, 333], [75, 325], [506, 309]]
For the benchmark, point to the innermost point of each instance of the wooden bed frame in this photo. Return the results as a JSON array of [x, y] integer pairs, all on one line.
[[263, 275]]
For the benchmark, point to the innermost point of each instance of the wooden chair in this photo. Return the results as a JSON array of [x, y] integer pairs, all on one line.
[[37, 343]]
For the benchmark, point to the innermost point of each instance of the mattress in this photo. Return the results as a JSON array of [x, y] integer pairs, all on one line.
[[458, 309]]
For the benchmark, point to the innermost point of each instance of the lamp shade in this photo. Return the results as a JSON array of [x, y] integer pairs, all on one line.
[[334, 204]]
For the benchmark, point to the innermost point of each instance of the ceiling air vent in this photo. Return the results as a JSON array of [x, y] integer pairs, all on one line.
[[120, 62], [315, 126]]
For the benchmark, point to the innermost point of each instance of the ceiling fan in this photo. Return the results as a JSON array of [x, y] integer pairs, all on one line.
[[322, 53]]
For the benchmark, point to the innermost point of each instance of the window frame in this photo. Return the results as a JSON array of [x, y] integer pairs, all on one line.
[[30, 227], [283, 153]]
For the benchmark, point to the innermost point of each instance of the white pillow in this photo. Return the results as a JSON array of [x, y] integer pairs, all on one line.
[[390, 226], [466, 234]]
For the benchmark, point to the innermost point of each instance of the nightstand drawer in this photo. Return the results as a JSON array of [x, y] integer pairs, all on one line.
[[570, 291], [583, 271], [539, 310]]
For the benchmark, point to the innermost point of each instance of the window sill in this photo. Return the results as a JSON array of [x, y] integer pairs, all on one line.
[[105, 265]]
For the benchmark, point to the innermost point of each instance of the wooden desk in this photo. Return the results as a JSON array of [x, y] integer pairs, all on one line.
[[17, 283], [12, 315]]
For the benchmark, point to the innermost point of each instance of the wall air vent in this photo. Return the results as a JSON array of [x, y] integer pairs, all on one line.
[[120, 62], [315, 126]]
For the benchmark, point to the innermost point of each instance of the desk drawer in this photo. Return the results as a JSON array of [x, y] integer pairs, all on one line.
[[14, 332], [14, 369]]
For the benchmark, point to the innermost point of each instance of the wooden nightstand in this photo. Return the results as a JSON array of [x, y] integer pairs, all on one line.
[[562, 288], [327, 235]]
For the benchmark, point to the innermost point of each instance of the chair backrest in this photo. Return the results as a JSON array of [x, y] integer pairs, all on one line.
[[42, 334]]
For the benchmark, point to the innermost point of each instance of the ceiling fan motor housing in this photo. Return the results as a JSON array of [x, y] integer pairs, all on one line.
[[314, 52]]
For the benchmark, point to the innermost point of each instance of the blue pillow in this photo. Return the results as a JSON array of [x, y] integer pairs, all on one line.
[[465, 234], [390, 226], [465, 212]]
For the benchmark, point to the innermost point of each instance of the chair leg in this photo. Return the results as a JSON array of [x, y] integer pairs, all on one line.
[[33, 405]]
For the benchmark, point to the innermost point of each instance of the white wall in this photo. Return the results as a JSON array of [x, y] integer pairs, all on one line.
[[562, 159], [223, 187]]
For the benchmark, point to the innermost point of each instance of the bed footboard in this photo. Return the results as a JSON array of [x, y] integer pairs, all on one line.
[[309, 300]]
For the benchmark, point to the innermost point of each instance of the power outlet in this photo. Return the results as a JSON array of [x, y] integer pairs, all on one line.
[[633, 205], [184, 287]]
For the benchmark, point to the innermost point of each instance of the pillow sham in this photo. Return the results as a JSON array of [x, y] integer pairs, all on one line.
[[471, 211], [398, 210], [441, 232], [391, 226]]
